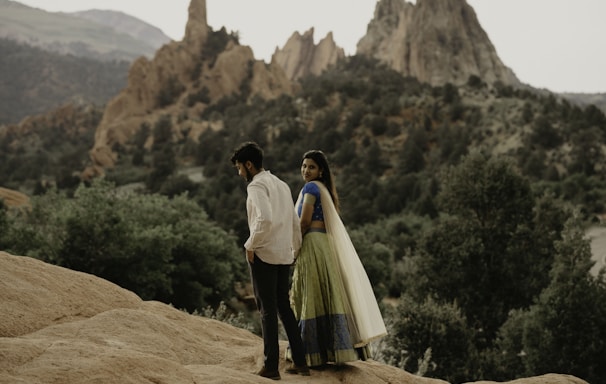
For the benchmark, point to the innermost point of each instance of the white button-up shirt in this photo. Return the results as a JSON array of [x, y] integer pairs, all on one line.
[[275, 234]]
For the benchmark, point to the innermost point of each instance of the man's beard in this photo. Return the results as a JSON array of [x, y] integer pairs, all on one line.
[[249, 175]]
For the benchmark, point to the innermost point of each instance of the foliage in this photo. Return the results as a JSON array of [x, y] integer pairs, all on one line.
[[169, 92], [51, 151], [224, 314], [439, 328], [215, 44], [163, 154], [162, 249], [4, 227], [31, 90], [564, 331], [487, 254]]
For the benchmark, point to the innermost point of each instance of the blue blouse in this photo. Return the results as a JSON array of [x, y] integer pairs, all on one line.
[[312, 189]]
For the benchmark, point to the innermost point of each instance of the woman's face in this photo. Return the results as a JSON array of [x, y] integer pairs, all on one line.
[[310, 170]]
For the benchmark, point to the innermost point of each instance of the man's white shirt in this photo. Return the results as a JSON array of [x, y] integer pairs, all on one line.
[[275, 234]]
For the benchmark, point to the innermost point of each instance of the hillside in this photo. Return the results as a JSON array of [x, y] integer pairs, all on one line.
[[48, 59], [47, 149], [123, 23], [68, 34], [585, 99], [62, 326], [35, 81]]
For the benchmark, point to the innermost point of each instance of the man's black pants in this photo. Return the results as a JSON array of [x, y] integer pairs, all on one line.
[[271, 284]]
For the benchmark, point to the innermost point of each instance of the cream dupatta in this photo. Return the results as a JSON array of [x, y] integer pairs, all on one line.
[[366, 321]]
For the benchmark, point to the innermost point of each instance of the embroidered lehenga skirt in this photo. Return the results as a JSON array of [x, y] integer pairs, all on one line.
[[319, 302]]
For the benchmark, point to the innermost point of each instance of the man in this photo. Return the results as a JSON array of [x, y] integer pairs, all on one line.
[[274, 240]]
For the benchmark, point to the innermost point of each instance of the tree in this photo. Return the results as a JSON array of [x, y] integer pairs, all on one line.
[[4, 225], [484, 254], [160, 248], [565, 331], [413, 157], [441, 328], [163, 154], [544, 134], [587, 151]]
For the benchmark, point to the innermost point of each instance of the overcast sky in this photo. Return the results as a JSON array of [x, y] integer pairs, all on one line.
[[555, 44]]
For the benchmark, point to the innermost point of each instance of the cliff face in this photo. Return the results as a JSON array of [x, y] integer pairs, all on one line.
[[301, 57], [165, 84], [436, 41]]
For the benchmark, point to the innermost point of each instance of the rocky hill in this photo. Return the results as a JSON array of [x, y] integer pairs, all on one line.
[[181, 81], [11, 198], [63, 326], [436, 41]]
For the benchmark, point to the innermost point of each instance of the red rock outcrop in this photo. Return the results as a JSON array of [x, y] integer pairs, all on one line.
[[161, 86], [300, 56], [68, 327], [436, 41]]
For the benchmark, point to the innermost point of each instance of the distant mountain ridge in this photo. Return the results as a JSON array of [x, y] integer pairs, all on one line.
[[127, 24], [48, 59], [104, 39]]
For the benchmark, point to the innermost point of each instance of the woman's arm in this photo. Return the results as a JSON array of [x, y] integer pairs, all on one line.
[[307, 210]]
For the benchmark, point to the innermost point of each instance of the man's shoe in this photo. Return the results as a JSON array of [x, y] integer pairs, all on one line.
[[274, 375], [298, 370]]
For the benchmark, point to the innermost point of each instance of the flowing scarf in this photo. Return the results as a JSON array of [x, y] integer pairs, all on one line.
[[366, 321]]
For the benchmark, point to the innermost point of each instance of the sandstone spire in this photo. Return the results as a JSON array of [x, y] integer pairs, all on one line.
[[301, 57], [165, 86], [436, 41], [196, 29]]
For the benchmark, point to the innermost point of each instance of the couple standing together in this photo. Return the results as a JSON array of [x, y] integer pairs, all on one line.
[[331, 314]]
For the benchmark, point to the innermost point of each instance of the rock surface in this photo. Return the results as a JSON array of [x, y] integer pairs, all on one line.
[[162, 87], [300, 56], [12, 198], [436, 41], [62, 326]]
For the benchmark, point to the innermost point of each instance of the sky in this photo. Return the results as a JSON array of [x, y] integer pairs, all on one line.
[[559, 45]]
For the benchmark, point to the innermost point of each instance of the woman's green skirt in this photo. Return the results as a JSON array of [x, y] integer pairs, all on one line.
[[318, 299]]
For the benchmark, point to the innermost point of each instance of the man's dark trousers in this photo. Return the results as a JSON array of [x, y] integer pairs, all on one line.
[[271, 284]]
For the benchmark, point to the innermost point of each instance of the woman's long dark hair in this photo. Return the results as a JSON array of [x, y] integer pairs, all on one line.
[[326, 175]]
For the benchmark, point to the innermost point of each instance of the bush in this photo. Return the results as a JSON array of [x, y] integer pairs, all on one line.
[[161, 249], [565, 330], [441, 328]]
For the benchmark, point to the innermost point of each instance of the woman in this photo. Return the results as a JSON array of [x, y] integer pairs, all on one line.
[[331, 295]]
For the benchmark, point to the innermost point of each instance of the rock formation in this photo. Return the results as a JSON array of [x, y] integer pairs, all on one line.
[[301, 57], [180, 69], [68, 327], [12, 198], [436, 41]]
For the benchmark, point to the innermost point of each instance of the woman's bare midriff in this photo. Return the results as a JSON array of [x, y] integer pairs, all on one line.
[[317, 224]]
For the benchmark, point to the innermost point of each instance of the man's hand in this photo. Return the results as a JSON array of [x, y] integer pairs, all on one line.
[[250, 255]]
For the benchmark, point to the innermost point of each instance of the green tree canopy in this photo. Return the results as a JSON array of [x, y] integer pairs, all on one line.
[[160, 248], [485, 254]]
